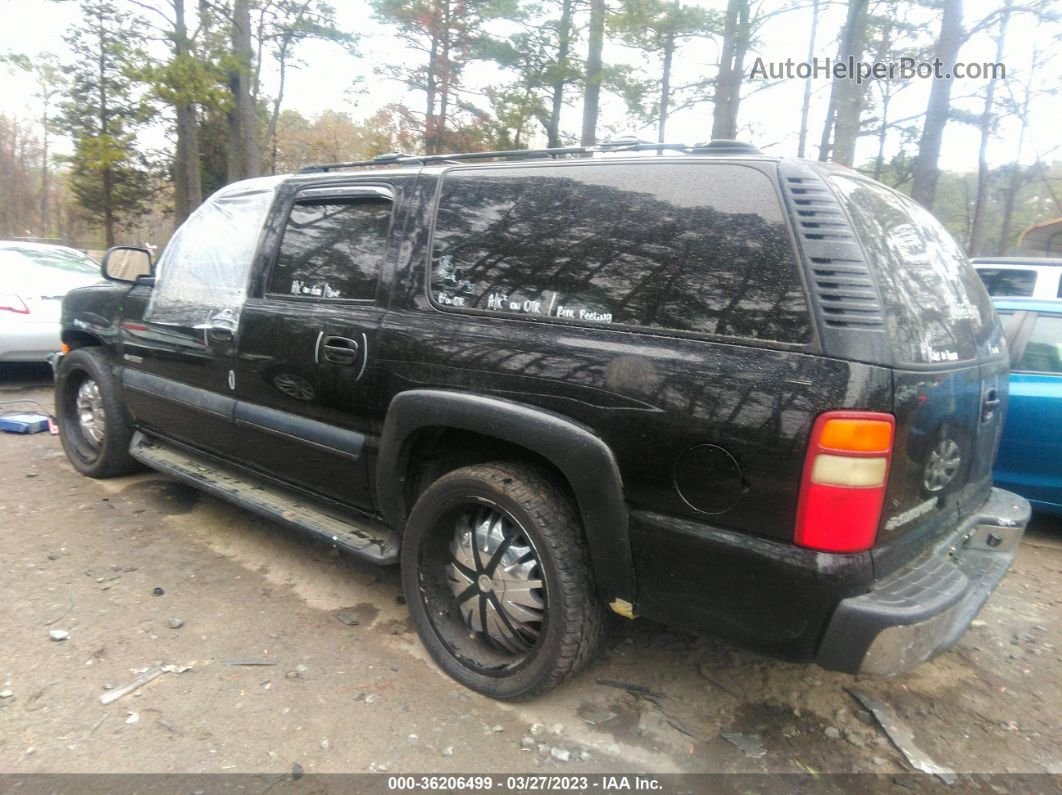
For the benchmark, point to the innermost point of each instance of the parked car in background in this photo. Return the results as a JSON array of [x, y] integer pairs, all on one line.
[[1030, 453], [1021, 277], [34, 277]]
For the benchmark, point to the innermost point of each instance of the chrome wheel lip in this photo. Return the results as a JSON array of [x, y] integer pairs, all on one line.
[[91, 417], [496, 578], [943, 465]]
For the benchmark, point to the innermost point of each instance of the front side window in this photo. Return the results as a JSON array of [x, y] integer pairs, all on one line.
[[204, 272], [332, 249], [699, 248]]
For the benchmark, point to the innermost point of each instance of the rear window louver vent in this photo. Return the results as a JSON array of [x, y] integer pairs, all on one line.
[[840, 279]]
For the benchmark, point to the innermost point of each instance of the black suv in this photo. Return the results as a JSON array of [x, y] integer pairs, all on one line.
[[745, 395]]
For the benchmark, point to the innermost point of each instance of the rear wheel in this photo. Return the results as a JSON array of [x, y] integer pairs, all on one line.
[[94, 425], [497, 577]]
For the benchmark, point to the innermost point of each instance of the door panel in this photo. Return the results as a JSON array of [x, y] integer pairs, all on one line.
[[176, 378], [302, 409]]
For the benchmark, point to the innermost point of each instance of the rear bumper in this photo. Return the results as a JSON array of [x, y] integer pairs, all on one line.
[[923, 609]]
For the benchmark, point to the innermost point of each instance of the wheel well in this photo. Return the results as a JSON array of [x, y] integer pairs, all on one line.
[[79, 339], [434, 451]]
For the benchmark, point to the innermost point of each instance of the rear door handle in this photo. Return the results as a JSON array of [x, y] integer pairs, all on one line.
[[989, 405], [339, 350]]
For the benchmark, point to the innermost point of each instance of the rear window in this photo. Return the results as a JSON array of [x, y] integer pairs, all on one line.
[[1008, 282], [937, 310], [700, 248]]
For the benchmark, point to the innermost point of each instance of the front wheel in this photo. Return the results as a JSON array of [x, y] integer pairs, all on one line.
[[497, 577], [93, 422]]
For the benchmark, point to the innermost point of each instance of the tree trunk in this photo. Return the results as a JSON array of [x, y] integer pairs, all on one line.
[[564, 45], [849, 104], [926, 172], [592, 94], [976, 228], [430, 88], [243, 142], [802, 145], [665, 88], [736, 33], [1015, 176], [188, 185], [446, 79], [274, 116]]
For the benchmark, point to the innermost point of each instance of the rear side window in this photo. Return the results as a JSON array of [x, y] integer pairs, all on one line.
[[1043, 351], [332, 249], [937, 310], [699, 248], [1013, 283]]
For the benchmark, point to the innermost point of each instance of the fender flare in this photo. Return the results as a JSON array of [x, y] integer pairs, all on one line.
[[582, 457]]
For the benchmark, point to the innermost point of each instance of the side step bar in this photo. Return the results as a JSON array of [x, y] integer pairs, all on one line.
[[366, 539]]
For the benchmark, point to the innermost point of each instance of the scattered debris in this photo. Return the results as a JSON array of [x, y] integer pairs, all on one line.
[[175, 623], [57, 619], [448, 751], [7, 697], [732, 689], [748, 744], [638, 690], [348, 617], [149, 675], [833, 732], [537, 729], [58, 635], [249, 661], [902, 736], [158, 591], [527, 743], [325, 745], [560, 754], [134, 717], [595, 715]]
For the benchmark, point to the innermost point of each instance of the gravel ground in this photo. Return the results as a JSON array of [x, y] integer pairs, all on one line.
[[287, 656]]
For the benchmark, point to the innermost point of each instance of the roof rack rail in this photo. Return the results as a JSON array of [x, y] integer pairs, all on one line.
[[610, 146]]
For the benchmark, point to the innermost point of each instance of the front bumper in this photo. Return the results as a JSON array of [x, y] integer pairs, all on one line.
[[923, 609]]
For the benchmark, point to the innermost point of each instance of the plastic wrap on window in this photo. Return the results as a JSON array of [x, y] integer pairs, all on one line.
[[203, 274]]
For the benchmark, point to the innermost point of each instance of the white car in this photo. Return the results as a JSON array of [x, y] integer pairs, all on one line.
[[34, 277]]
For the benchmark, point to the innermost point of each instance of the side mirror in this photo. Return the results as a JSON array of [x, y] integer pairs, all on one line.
[[128, 264]]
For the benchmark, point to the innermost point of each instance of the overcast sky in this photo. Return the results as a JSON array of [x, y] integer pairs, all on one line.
[[769, 118]]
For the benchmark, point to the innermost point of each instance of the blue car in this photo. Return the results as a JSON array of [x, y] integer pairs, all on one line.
[[1030, 453]]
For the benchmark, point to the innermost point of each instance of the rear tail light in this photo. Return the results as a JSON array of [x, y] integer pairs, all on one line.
[[845, 474], [12, 303]]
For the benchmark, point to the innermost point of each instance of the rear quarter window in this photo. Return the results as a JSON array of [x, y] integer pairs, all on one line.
[[698, 248], [937, 309]]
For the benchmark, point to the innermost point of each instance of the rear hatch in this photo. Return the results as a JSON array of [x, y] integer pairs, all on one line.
[[949, 369]]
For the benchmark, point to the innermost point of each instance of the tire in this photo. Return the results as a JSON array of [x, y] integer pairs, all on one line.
[[94, 426], [482, 527]]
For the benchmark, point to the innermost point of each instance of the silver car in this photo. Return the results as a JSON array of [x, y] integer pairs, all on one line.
[[34, 277]]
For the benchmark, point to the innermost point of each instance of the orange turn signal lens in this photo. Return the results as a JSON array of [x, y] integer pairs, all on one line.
[[64, 348], [856, 435]]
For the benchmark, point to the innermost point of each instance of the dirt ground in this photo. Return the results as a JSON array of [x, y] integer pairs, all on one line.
[[142, 571]]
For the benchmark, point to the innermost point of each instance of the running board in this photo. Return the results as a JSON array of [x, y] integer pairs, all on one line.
[[366, 538]]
